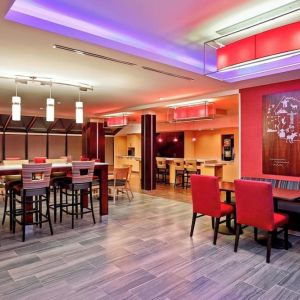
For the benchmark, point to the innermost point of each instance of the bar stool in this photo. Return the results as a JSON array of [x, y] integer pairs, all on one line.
[[33, 192], [190, 168], [81, 181], [161, 169], [9, 182], [179, 171]]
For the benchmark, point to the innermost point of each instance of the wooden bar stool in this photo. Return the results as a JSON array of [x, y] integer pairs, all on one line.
[[81, 181], [179, 172], [32, 192], [190, 168], [162, 169]]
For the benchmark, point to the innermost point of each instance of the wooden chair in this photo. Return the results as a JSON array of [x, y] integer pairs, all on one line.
[[255, 207], [179, 171], [161, 169], [119, 183], [190, 166], [33, 192], [206, 201], [81, 181]]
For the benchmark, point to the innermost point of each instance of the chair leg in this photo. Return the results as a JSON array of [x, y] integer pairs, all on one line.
[[54, 202], [193, 223], [13, 213], [60, 204], [40, 210], [216, 230], [255, 233], [23, 217], [73, 207], [92, 208], [212, 222], [269, 246], [237, 236], [286, 237], [5, 208], [48, 211]]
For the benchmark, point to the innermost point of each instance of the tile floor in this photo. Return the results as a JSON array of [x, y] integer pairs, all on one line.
[[143, 251]]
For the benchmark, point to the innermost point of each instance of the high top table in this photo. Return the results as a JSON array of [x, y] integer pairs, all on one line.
[[101, 170]]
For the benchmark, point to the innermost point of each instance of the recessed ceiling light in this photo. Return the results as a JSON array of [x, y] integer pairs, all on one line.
[[58, 102], [41, 108]]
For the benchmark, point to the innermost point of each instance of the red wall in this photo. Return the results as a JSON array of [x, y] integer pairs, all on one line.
[[251, 127]]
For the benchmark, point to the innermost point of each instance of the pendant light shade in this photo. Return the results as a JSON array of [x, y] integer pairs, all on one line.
[[16, 108], [79, 112], [50, 110]]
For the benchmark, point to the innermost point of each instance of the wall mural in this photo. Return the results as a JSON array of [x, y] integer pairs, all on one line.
[[281, 134]]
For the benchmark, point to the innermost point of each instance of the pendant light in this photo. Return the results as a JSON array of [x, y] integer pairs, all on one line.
[[50, 108], [16, 106], [79, 110]]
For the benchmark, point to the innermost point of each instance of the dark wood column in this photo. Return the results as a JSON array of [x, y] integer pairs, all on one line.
[[93, 141], [148, 165]]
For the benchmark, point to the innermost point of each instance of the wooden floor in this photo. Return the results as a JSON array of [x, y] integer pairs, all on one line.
[[143, 251]]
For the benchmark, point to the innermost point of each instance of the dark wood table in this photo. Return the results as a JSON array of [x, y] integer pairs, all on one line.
[[101, 170], [278, 194]]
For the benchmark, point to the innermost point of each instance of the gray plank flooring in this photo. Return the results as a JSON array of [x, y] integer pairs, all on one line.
[[143, 251]]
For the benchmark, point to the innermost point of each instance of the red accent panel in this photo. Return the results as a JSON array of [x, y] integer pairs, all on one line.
[[251, 127], [193, 112], [237, 52], [117, 121], [278, 40]]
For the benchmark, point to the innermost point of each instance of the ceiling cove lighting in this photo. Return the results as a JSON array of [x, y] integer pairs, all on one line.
[[50, 108], [79, 110], [16, 106]]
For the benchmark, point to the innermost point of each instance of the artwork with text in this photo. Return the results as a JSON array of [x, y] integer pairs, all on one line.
[[281, 134]]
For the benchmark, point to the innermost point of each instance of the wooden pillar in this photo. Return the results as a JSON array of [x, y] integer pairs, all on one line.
[[148, 165], [93, 141]]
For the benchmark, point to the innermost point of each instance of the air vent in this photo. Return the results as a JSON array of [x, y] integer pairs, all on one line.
[[82, 52], [167, 73]]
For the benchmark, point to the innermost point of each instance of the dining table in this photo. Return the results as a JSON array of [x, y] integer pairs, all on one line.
[[100, 171], [279, 194]]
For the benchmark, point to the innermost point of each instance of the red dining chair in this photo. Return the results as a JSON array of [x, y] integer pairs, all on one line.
[[255, 207], [84, 158], [206, 201]]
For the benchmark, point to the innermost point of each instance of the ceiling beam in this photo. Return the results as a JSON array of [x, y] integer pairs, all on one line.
[[7, 122], [52, 125], [31, 123], [71, 126]]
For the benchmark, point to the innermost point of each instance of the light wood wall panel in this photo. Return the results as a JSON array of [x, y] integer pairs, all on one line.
[[15, 145], [75, 147], [109, 150], [37, 146], [56, 146]]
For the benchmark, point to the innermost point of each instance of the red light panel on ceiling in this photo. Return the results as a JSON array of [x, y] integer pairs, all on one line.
[[116, 121], [194, 112], [275, 41]]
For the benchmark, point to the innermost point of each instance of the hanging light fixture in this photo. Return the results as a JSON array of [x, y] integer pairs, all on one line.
[[16, 106], [79, 110], [50, 107]]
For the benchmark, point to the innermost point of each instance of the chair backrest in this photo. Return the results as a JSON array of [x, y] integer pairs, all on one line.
[[56, 160], [191, 165], [129, 171], [82, 171], [254, 203], [84, 158], [179, 163], [39, 160], [161, 162], [206, 195], [35, 176], [121, 173], [15, 162]]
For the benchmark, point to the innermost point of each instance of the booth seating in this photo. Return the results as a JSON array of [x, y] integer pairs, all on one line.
[[206, 201], [80, 182], [162, 169], [29, 196], [255, 207]]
